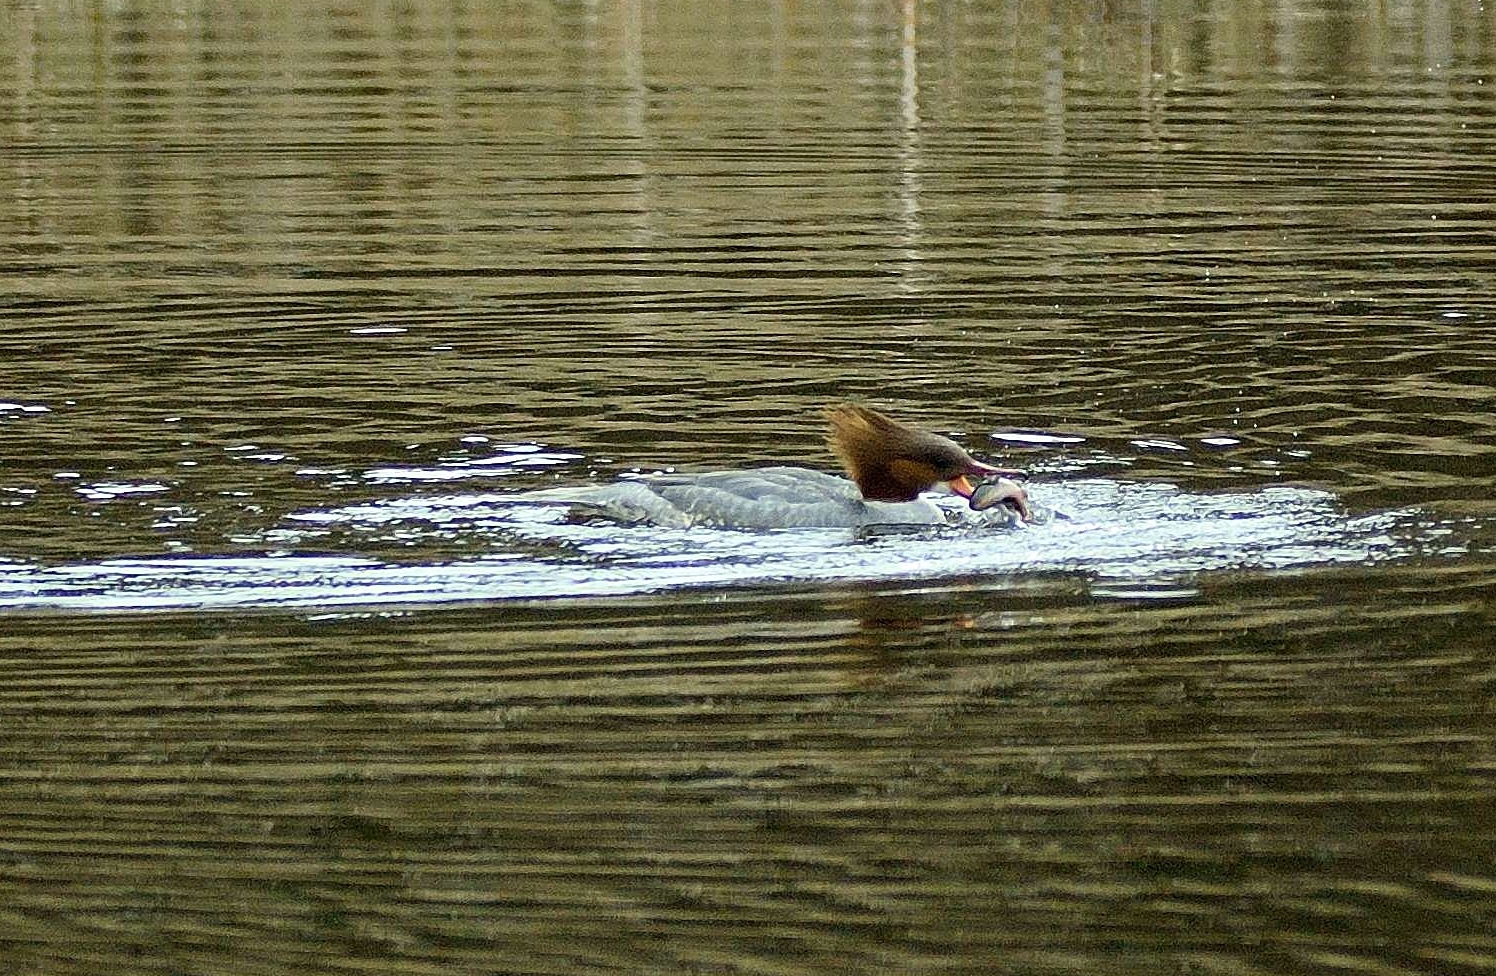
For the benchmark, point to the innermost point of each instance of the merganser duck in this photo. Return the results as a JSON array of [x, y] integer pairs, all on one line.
[[889, 465]]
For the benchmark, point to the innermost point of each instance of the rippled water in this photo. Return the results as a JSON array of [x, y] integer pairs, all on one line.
[[295, 302]]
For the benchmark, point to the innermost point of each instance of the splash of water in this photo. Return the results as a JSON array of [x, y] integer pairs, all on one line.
[[1120, 536]]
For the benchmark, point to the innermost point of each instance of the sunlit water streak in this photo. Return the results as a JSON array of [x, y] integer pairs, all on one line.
[[1110, 532]]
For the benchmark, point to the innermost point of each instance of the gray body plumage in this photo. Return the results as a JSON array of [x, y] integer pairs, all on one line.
[[757, 498]]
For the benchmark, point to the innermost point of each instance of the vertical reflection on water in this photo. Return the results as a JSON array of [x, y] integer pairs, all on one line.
[[1151, 82], [910, 153], [1057, 183], [635, 126]]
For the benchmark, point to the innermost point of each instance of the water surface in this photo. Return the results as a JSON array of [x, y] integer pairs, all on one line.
[[294, 301]]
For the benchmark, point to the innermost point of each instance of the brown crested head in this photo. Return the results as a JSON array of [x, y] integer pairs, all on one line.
[[893, 462]]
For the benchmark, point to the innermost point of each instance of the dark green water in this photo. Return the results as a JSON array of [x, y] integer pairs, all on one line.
[[258, 266]]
